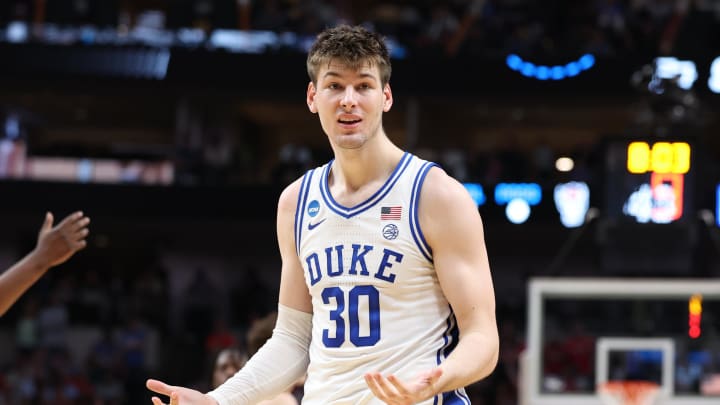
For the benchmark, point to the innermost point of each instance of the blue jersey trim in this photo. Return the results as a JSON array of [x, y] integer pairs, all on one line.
[[348, 212], [457, 397], [438, 358], [450, 321], [450, 341], [464, 395], [454, 338], [417, 233], [300, 211]]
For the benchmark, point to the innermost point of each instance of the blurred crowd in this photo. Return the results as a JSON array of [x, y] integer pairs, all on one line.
[[543, 29], [81, 337], [87, 335], [479, 27], [507, 163]]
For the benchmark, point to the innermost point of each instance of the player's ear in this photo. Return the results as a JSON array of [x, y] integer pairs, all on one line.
[[387, 92], [311, 91]]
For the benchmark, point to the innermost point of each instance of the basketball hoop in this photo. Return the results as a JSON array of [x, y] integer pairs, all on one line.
[[625, 392]]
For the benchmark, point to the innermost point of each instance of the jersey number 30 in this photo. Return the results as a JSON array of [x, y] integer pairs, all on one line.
[[353, 315]]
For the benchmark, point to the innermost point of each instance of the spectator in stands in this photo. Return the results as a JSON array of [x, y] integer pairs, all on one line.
[[133, 340], [26, 330], [220, 337], [104, 357], [227, 363], [53, 322]]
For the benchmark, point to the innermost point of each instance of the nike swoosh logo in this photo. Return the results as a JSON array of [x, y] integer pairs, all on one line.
[[312, 226]]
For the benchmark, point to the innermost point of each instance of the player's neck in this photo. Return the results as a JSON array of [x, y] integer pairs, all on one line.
[[356, 168]]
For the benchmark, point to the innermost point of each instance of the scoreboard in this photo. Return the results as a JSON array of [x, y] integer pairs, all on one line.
[[649, 180]]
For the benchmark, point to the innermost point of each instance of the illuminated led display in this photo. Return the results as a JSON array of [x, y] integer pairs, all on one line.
[[476, 193], [518, 197], [684, 71], [572, 201], [517, 211], [544, 72], [667, 207], [529, 192], [650, 180], [660, 202], [695, 316], [661, 157]]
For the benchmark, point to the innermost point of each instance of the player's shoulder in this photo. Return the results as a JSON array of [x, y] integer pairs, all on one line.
[[440, 189], [439, 183], [289, 196]]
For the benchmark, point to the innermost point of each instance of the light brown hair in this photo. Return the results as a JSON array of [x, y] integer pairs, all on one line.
[[352, 46]]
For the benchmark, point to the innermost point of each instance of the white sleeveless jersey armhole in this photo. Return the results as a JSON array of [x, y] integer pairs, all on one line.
[[377, 302]]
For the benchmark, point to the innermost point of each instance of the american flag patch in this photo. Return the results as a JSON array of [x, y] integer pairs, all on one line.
[[390, 213]]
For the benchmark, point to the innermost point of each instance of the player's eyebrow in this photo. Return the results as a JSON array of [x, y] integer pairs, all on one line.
[[331, 73]]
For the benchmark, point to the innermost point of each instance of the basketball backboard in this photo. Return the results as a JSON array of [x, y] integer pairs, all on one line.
[[585, 331]]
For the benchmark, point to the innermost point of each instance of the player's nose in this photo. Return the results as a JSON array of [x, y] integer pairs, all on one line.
[[349, 98]]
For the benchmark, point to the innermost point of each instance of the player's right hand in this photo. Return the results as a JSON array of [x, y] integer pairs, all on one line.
[[178, 395], [56, 244]]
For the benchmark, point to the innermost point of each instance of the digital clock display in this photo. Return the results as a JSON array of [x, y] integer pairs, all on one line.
[[660, 157], [649, 180]]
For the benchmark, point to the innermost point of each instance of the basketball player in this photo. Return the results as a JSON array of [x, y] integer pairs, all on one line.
[[54, 246], [385, 293]]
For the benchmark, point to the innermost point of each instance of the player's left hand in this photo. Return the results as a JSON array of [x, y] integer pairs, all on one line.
[[392, 391]]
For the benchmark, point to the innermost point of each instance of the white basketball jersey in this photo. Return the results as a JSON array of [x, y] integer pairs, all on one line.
[[377, 303]]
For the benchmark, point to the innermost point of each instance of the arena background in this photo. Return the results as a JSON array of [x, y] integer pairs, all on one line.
[[175, 124]]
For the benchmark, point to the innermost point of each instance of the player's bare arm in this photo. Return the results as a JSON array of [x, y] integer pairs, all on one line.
[[55, 245], [293, 290], [453, 228]]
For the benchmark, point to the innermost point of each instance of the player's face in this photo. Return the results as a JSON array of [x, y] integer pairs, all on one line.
[[350, 103]]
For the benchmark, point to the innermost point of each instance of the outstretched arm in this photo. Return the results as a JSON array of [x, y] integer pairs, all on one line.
[[54, 246], [453, 229]]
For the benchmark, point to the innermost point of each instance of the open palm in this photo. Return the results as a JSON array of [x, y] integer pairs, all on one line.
[[392, 391], [178, 395]]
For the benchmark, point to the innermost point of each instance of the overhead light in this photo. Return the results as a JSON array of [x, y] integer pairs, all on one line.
[[564, 164]]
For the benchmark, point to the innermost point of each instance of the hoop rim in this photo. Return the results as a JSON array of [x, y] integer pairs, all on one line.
[[611, 384]]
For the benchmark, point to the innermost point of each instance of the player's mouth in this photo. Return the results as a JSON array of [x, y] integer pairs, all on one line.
[[349, 122]]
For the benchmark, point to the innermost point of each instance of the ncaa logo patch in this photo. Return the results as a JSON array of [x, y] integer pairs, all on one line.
[[313, 208], [390, 232]]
